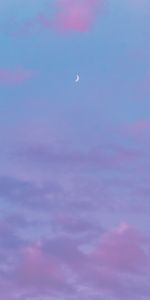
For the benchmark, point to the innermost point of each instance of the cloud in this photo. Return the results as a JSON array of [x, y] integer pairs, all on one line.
[[38, 270], [76, 225], [14, 76], [68, 15], [105, 158], [76, 15], [122, 250], [28, 194], [66, 249], [119, 264], [45, 153]]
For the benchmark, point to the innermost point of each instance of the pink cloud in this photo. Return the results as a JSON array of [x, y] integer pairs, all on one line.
[[69, 15], [38, 270], [121, 254], [14, 76], [121, 250], [76, 15]]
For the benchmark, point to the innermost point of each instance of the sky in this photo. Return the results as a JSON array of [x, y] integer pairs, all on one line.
[[74, 156]]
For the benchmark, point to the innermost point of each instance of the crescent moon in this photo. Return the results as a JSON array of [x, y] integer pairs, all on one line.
[[78, 78]]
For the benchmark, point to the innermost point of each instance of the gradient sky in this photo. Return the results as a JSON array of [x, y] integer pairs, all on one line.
[[75, 157]]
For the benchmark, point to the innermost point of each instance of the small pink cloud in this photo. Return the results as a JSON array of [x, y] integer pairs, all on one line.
[[14, 76], [76, 15]]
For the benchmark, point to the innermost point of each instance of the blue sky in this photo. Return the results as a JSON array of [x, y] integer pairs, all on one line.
[[74, 163]]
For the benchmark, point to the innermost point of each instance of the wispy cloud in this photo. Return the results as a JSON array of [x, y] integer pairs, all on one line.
[[68, 15], [15, 75]]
